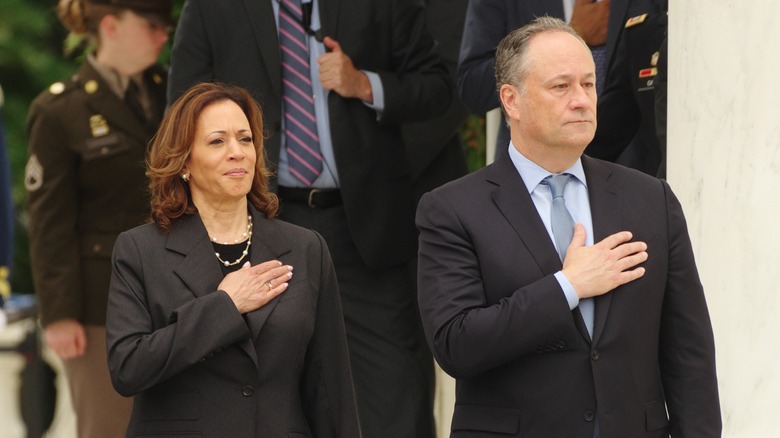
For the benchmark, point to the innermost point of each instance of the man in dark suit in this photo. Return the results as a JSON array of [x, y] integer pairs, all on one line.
[[488, 21], [372, 67], [552, 330], [434, 147]]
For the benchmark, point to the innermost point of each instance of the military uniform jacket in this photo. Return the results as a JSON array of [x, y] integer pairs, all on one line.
[[86, 183]]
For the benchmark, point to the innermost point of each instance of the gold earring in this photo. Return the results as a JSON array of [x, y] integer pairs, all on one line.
[[185, 177]]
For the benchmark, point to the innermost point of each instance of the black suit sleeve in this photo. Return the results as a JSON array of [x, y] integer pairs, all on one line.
[[192, 60], [486, 25], [417, 86], [141, 355], [467, 334], [687, 350]]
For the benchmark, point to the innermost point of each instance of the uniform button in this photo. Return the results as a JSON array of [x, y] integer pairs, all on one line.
[[594, 355], [561, 344], [247, 390], [96, 248], [588, 416], [103, 150]]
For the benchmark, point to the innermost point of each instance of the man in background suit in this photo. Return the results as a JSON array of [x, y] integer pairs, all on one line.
[[488, 21], [372, 68], [626, 132], [434, 147], [554, 329]]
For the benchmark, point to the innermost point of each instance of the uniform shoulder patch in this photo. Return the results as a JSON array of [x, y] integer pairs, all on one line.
[[33, 174], [633, 21]]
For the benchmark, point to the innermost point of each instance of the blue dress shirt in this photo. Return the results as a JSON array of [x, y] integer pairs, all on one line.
[[577, 203]]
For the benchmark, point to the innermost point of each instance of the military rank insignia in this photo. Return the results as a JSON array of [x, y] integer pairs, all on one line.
[[33, 174], [633, 21], [99, 125]]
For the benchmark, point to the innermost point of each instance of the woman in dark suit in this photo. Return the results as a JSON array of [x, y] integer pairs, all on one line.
[[207, 325]]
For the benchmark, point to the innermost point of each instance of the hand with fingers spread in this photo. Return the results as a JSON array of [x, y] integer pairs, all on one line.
[[66, 338], [596, 270], [252, 287], [337, 73], [590, 19]]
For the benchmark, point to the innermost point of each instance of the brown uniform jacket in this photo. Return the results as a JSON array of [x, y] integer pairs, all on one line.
[[86, 183]]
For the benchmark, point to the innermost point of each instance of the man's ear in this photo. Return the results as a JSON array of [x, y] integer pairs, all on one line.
[[510, 99]]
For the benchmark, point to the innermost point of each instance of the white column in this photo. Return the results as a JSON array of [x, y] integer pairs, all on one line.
[[724, 165]]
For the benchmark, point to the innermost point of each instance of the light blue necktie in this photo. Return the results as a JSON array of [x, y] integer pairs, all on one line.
[[563, 230], [562, 222]]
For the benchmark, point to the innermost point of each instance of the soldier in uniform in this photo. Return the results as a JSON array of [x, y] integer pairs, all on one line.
[[626, 132], [86, 183]]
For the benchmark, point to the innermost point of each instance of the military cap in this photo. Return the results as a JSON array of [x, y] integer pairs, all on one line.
[[161, 7]]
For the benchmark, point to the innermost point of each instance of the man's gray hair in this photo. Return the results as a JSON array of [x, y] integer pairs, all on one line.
[[511, 65]]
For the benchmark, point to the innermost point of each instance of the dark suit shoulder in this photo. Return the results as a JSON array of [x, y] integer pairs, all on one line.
[[143, 234], [621, 177]]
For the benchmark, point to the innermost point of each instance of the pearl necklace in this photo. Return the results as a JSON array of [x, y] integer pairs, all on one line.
[[247, 235]]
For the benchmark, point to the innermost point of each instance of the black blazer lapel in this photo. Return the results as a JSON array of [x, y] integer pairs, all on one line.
[[263, 21], [607, 216], [200, 270], [267, 244], [514, 202]]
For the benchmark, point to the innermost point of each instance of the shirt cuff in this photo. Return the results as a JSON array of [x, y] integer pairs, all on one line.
[[568, 290], [377, 90]]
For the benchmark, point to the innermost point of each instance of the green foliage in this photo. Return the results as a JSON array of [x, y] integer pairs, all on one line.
[[473, 136]]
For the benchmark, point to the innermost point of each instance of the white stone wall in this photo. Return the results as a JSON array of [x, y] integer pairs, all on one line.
[[724, 165]]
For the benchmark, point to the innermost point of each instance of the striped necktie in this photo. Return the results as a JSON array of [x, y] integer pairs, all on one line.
[[300, 126]]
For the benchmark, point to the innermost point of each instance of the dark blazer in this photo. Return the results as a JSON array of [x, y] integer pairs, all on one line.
[[86, 183], [434, 148], [497, 320], [197, 367], [489, 21], [236, 42]]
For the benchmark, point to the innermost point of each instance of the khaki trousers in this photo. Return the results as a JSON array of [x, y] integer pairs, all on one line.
[[100, 411]]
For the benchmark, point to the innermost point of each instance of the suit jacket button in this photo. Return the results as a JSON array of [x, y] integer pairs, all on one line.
[[277, 126], [588, 415], [247, 390], [594, 355]]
